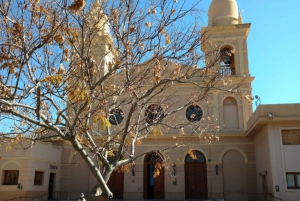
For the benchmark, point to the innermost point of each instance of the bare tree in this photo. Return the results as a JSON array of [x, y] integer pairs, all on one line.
[[103, 76]]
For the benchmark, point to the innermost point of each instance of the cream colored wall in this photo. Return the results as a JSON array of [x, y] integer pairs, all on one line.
[[76, 176], [284, 158], [276, 159], [272, 156], [37, 158], [133, 185], [263, 161], [80, 178], [133, 188], [234, 36]]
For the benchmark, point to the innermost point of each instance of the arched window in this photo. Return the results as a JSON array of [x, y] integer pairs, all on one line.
[[227, 61], [230, 113], [11, 173]]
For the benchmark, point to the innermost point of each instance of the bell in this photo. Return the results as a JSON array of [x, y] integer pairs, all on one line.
[[227, 59]]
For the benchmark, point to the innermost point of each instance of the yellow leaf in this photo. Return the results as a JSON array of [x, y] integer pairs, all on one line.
[[162, 31], [53, 79], [110, 153], [138, 142], [104, 123], [168, 40], [192, 154], [8, 147], [156, 131]]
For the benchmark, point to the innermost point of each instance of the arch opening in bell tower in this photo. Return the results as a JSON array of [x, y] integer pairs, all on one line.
[[227, 66]]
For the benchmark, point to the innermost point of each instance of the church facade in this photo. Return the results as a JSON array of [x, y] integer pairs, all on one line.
[[256, 156]]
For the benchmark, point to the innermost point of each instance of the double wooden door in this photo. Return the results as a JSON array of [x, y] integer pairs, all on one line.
[[116, 184], [195, 181]]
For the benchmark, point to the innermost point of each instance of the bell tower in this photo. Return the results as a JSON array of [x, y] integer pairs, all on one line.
[[227, 32], [102, 47]]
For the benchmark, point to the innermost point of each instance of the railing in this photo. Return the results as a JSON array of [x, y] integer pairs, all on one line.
[[227, 70], [39, 198], [276, 198]]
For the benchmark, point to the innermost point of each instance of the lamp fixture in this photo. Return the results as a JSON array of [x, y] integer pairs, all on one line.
[[174, 174], [217, 169], [132, 168], [270, 115]]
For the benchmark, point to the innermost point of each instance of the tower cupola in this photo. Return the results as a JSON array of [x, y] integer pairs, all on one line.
[[223, 12]]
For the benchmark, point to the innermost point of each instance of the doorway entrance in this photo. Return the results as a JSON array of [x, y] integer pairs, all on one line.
[[154, 179], [51, 186], [195, 176], [116, 184], [264, 187]]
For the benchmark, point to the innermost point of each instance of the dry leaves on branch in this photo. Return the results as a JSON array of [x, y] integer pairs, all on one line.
[[76, 6]]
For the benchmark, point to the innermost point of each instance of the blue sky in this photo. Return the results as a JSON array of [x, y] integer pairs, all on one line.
[[273, 48]]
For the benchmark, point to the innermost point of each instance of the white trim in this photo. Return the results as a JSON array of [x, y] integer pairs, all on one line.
[[28, 158], [226, 43], [11, 161], [148, 152], [224, 97], [72, 154], [232, 148]]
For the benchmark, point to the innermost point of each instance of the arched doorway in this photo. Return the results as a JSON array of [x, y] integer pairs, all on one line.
[[195, 176], [154, 176]]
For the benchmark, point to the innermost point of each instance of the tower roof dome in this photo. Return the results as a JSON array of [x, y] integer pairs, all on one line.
[[223, 12]]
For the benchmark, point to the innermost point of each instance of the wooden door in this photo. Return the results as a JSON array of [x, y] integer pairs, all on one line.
[[190, 181], [156, 191], [195, 181], [154, 188], [201, 181], [116, 184], [159, 185], [195, 176], [265, 187]]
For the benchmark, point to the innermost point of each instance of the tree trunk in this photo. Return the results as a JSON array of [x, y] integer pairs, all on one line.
[[97, 195]]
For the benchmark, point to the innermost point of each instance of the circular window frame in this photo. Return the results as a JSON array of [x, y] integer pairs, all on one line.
[[187, 116], [117, 120], [156, 117]]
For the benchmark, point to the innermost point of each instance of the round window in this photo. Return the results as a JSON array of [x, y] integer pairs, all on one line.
[[193, 113], [116, 116], [154, 114]]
